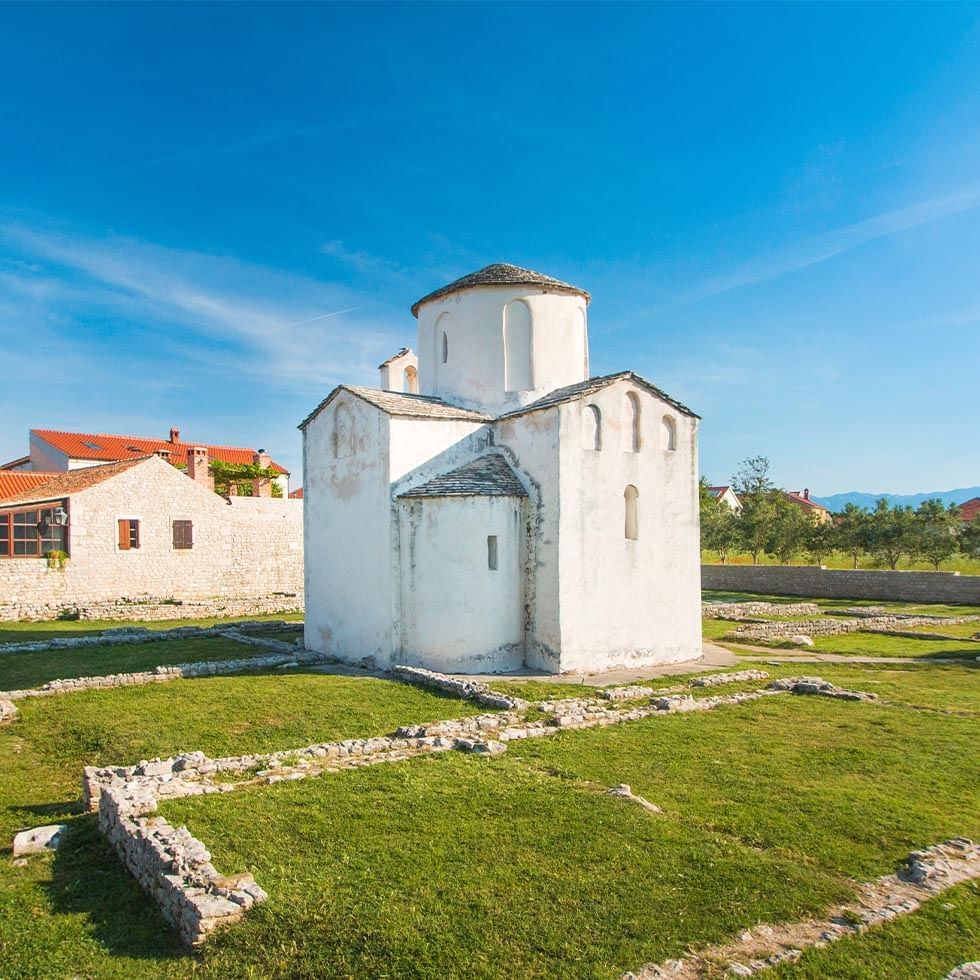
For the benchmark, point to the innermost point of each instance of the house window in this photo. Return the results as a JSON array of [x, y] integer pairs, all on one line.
[[492, 552], [183, 535], [31, 533], [129, 534], [670, 432], [631, 522]]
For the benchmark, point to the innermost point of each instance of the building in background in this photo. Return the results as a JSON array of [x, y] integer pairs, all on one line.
[[54, 451], [515, 512], [139, 539], [809, 507], [728, 497]]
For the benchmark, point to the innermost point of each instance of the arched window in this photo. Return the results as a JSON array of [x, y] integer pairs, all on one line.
[[591, 428], [410, 380], [518, 371], [343, 432], [631, 424], [670, 432], [441, 333], [631, 520]]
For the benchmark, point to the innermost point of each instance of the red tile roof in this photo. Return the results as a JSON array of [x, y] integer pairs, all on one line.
[[296, 494], [969, 509], [58, 485], [14, 482], [798, 498], [85, 445]]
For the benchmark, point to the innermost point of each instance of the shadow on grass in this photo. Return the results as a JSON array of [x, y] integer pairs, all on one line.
[[88, 878]]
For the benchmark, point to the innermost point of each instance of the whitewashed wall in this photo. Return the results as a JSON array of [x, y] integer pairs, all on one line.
[[624, 601], [458, 614], [474, 322]]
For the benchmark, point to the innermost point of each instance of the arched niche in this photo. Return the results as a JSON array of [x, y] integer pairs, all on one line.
[[592, 428], [630, 496], [631, 423], [343, 432], [670, 432], [410, 380], [518, 369]]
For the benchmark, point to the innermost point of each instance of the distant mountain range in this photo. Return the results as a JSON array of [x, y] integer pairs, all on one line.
[[839, 501]]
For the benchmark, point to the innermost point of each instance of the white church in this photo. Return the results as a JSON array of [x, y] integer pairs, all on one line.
[[492, 507]]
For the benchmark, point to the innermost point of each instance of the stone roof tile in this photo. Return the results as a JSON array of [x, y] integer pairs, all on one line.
[[73, 481], [405, 405], [572, 392], [485, 476], [501, 274]]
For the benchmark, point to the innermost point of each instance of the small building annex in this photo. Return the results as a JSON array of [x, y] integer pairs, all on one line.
[[497, 507]]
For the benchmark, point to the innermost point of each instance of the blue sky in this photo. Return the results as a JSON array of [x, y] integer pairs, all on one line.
[[210, 215]]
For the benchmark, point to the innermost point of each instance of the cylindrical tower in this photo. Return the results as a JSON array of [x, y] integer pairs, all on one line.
[[502, 337]]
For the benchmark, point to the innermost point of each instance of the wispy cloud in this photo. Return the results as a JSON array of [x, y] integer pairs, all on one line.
[[820, 248], [814, 250], [290, 330]]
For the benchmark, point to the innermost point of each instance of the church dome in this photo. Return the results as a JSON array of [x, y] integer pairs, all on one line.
[[502, 274]]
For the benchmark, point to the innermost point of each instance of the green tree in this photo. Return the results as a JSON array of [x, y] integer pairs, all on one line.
[[891, 532], [757, 493], [934, 533], [969, 538], [852, 527], [819, 539], [719, 526], [787, 527]]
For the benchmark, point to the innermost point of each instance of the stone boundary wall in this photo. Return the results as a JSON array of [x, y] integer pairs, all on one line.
[[834, 583], [140, 634], [834, 626], [151, 608], [747, 610], [468, 690], [162, 674]]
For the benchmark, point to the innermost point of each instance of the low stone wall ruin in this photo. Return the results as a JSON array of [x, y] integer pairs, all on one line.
[[151, 608], [835, 583]]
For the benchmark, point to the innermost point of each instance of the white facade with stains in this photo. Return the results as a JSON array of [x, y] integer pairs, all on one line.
[[514, 513]]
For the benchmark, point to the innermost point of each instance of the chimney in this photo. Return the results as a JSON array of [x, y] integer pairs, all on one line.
[[163, 454], [198, 466], [174, 434], [806, 493], [262, 487]]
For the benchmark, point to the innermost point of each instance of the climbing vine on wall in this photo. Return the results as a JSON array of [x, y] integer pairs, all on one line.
[[235, 479]]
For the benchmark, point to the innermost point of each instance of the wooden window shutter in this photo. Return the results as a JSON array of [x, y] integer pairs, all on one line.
[[123, 535], [183, 532]]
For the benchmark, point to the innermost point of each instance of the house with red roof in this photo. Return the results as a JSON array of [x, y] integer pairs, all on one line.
[[970, 510], [728, 497], [809, 507], [52, 450], [138, 538]]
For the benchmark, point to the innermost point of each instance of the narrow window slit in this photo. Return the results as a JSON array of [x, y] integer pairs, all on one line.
[[492, 552]]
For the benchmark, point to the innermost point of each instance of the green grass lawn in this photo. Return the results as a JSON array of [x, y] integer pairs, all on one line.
[[944, 933], [957, 563], [21, 670], [838, 605], [50, 629], [515, 866]]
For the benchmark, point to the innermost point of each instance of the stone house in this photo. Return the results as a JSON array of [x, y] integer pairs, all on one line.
[[809, 507], [515, 512], [55, 451], [144, 531]]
